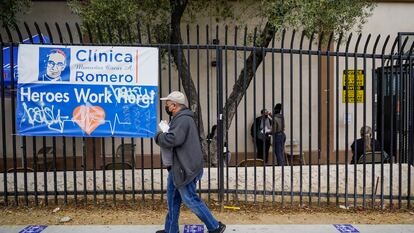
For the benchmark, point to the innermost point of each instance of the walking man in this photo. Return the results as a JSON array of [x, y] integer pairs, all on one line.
[[185, 168]]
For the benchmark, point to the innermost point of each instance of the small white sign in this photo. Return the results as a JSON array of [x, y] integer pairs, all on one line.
[[348, 118]]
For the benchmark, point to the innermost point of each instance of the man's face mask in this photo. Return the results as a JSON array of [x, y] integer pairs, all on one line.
[[167, 110]]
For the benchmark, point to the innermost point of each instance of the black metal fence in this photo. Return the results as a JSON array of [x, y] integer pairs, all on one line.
[[230, 80]]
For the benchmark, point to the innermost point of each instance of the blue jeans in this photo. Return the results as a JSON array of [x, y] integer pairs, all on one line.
[[186, 194], [279, 147]]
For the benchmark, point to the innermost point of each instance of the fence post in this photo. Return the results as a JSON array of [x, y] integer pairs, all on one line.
[[220, 133]]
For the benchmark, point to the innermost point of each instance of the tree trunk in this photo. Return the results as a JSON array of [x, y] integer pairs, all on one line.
[[239, 88], [177, 10], [242, 83]]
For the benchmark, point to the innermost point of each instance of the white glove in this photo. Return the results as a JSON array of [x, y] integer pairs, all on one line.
[[164, 126]]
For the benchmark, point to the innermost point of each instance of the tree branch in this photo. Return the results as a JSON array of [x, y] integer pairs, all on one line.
[[177, 10], [242, 83]]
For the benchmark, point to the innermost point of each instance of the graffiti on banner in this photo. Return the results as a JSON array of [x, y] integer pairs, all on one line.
[[86, 91]]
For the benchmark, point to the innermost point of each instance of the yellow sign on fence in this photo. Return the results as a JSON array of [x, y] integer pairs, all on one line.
[[351, 86]]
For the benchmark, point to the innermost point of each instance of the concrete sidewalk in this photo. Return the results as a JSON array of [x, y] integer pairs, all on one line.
[[230, 228]]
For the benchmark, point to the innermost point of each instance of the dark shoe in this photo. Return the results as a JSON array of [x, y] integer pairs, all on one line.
[[161, 231], [220, 229]]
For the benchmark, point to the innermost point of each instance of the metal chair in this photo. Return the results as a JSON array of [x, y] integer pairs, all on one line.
[[41, 164], [251, 163], [20, 169], [118, 166], [128, 150], [374, 157]]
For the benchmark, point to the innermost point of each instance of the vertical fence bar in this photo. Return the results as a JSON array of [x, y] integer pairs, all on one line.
[[356, 118], [142, 171], [123, 168], [245, 110], [151, 139], [169, 78], [291, 117], [301, 118], [13, 114], [382, 116], [45, 170], [265, 151], [374, 116], [63, 138], [133, 172], [392, 84], [364, 204], [236, 148], [409, 91], [338, 45], [328, 114], [310, 117], [120, 40], [161, 117], [219, 117], [400, 115], [75, 190], [198, 89], [128, 28], [109, 32], [94, 170], [220, 132], [113, 171], [226, 127], [321, 37], [23, 138], [3, 128], [273, 117], [103, 164], [347, 116], [254, 116], [208, 113], [282, 77], [34, 146]]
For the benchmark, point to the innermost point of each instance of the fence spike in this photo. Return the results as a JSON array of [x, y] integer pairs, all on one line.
[[376, 43], [367, 42], [69, 32], [338, 45], [9, 35], [59, 32], [357, 43], [28, 32], [19, 34], [49, 32], [39, 33]]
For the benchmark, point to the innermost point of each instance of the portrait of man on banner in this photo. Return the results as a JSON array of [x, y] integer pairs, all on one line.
[[54, 64]]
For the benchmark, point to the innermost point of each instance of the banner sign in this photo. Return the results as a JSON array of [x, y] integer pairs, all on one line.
[[359, 79], [87, 91]]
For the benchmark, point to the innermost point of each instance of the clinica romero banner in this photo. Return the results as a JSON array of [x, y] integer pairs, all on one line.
[[87, 91]]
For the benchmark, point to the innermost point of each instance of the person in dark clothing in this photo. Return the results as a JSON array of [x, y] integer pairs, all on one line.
[[186, 170], [279, 136], [358, 145], [261, 131]]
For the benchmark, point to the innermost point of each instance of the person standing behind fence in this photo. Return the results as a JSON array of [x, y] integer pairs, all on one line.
[[187, 165], [279, 134], [260, 131]]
